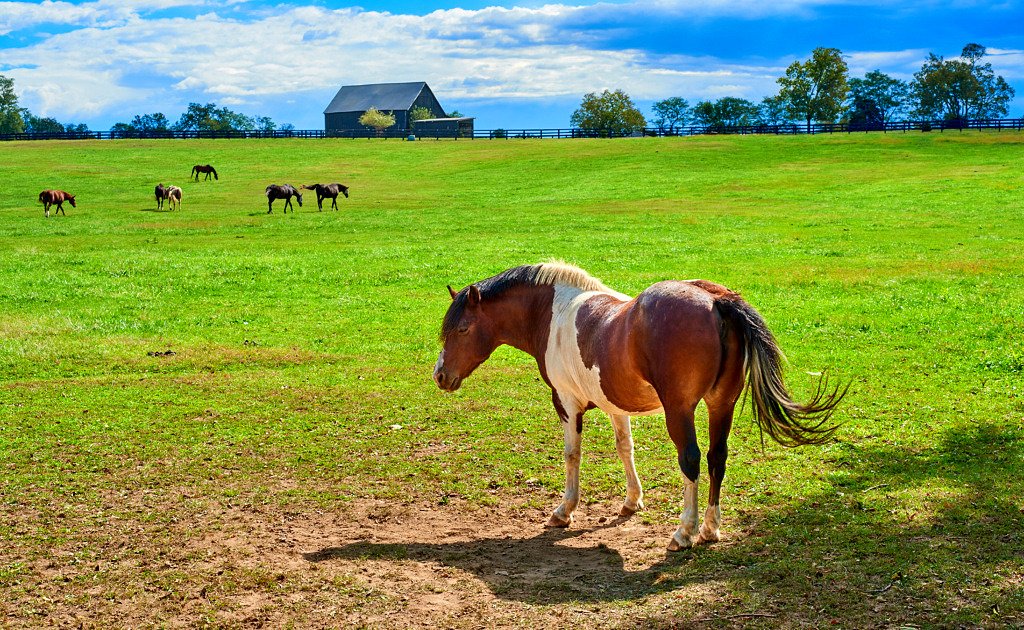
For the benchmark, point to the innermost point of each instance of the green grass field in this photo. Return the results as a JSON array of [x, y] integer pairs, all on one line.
[[300, 382]]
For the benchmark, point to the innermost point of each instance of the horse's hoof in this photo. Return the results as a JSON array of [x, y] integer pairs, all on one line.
[[707, 536], [674, 544], [626, 511], [556, 521]]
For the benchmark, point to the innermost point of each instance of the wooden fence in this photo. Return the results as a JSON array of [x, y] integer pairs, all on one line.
[[510, 134]]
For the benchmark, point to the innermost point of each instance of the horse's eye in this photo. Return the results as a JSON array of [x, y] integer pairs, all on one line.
[[463, 330]]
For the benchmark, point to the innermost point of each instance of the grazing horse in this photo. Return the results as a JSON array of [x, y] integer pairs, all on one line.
[[50, 197], [174, 195], [203, 168], [663, 351], [286, 192], [161, 193], [330, 190]]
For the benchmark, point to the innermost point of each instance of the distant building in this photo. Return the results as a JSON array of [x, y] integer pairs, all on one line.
[[351, 101]]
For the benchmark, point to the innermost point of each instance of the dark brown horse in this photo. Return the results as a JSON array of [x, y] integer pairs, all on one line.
[[327, 191], [286, 192], [161, 193], [203, 168], [50, 197], [675, 344]]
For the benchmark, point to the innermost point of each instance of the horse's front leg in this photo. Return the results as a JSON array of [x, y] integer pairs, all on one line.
[[624, 447], [570, 412]]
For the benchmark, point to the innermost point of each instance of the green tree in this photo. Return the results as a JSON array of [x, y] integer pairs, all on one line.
[[11, 118], [150, 122], [264, 123], [727, 111], [209, 118], [773, 111], [877, 98], [35, 124], [671, 112], [611, 111], [377, 119], [816, 89], [960, 88], [419, 113], [455, 114]]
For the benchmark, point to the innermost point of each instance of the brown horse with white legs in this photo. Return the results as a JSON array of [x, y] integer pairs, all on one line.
[[51, 197], [327, 191], [675, 344]]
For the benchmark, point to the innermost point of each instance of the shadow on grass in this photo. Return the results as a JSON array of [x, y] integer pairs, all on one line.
[[926, 537]]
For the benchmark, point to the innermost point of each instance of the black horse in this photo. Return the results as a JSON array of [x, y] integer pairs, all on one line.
[[285, 192], [203, 168], [329, 190], [161, 194]]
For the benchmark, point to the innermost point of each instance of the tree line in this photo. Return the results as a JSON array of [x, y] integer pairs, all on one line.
[[208, 117], [821, 90]]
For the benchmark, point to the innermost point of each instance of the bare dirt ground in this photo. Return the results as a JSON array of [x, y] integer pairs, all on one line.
[[377, 565]]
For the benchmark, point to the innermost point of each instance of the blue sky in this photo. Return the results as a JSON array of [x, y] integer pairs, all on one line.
[[511, 65]]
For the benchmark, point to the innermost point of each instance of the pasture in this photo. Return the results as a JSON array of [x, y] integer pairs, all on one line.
[[221, 418]]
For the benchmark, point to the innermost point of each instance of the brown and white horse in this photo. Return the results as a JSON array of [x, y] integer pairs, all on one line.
[[174, 196], [284, 191], [50, 197], [327, 191], [675, 344], [203, 168]]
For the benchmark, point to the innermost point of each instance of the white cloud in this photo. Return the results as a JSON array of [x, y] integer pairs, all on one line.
[[121, 57]]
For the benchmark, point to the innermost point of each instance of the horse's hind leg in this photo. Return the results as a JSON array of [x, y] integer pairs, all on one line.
[[571, 415], [46, 210], [624, 447], [721, 402], [679, 420]]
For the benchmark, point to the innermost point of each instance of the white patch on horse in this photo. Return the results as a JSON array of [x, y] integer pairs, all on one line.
[[439, 364], [564, 361]]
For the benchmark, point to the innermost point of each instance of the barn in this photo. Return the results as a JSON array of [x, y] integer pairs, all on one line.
[[342, 116]]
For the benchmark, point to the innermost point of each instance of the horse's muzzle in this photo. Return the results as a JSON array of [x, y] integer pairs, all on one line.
[[447, 382]]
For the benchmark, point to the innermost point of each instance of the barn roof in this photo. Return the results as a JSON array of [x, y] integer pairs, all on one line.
[[383, 96]]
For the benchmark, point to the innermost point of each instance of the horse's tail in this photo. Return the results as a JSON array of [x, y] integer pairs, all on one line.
[[786, 421], [41, 197]]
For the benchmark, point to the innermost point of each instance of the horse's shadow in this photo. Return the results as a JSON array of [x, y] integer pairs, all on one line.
[[537, 569]]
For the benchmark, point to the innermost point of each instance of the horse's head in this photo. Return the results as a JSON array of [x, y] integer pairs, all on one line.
[[469, 337], [71, 198], [344, 191], [298, 196]]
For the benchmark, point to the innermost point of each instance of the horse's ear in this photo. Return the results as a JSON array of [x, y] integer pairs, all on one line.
[[452, 291], [474, 295]]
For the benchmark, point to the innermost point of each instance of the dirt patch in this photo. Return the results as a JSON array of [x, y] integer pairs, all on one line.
[[374, 564]]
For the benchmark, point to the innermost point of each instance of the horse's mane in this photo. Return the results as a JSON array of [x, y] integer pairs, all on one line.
[[553, 272]]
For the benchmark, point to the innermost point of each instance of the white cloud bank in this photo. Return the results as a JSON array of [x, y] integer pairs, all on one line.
[[115, 59]]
